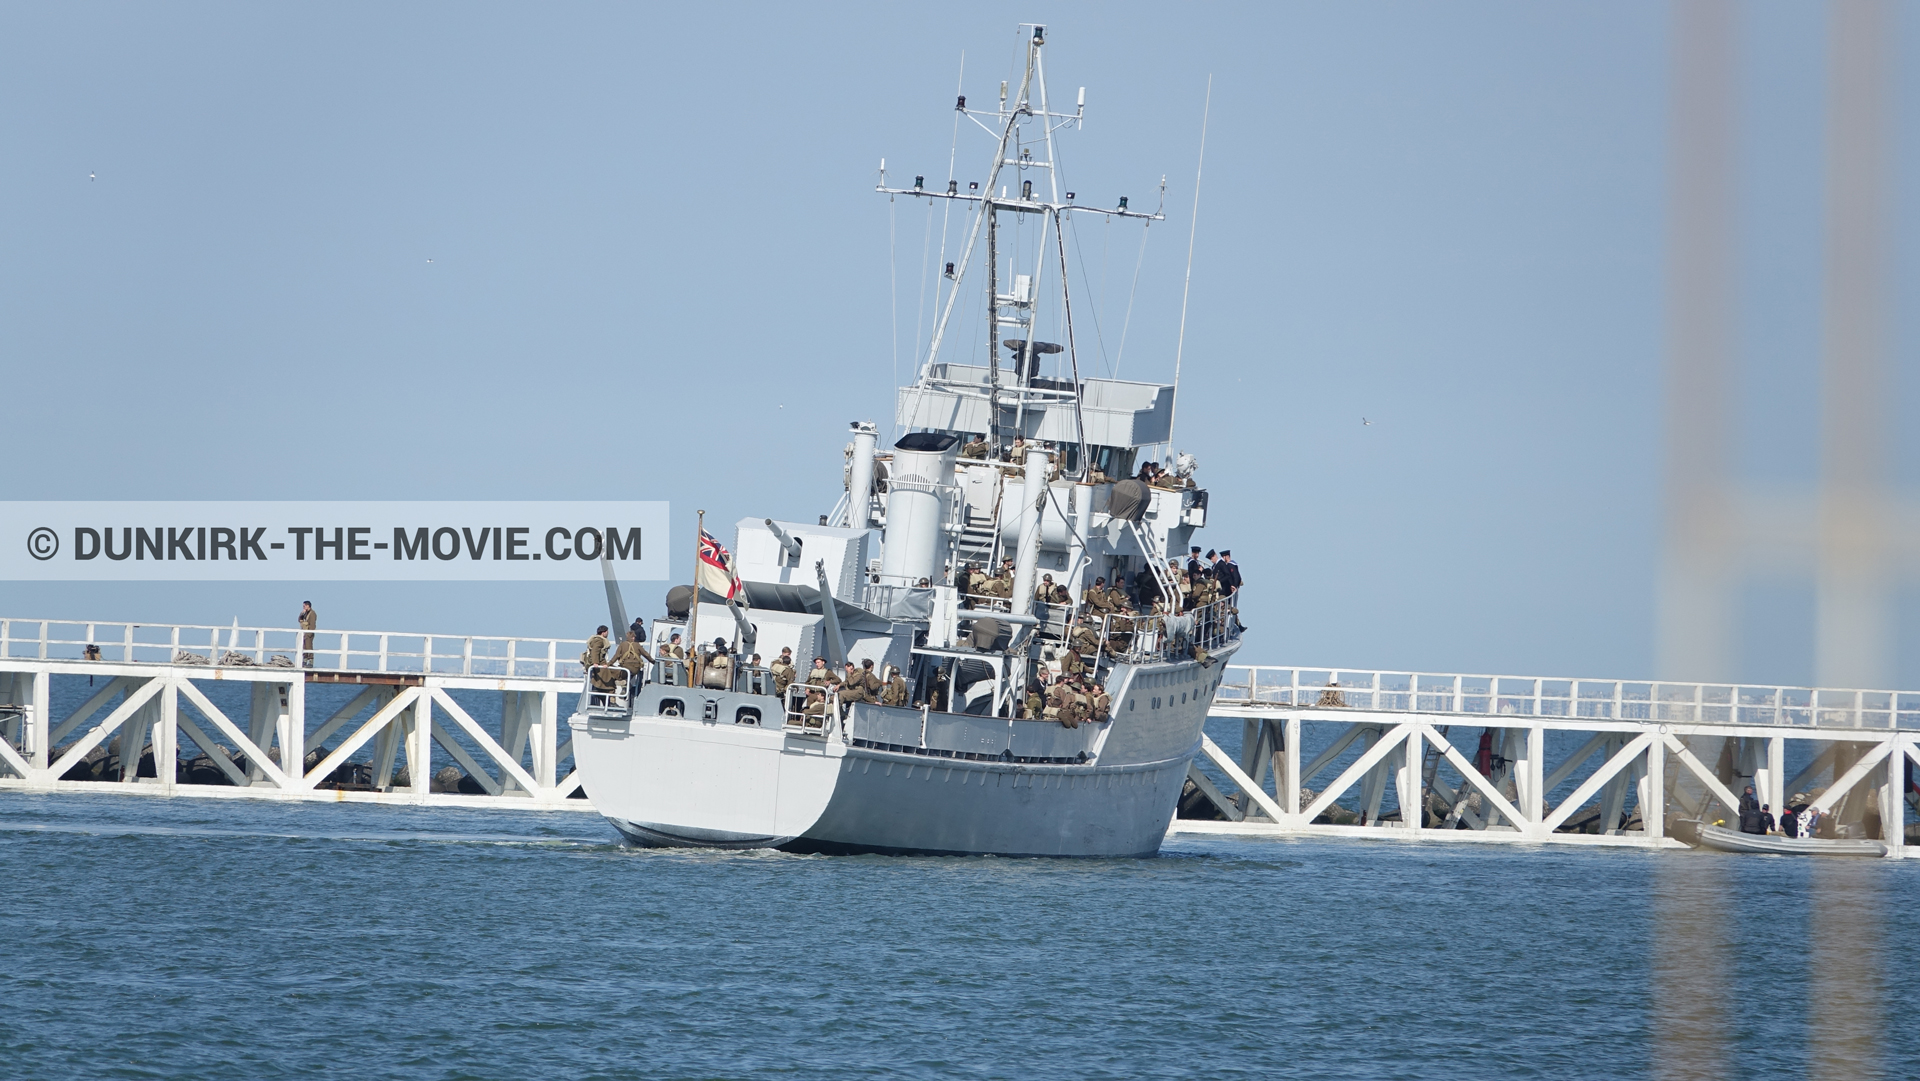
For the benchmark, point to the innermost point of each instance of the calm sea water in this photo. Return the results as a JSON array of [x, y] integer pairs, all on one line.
[[193, 938]]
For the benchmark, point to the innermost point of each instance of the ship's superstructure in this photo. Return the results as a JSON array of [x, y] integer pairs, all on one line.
[[1017, 555]]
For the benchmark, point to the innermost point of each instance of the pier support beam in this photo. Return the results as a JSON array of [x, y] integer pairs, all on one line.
[[166, 740], [293, 733], [420, 745], [1408, 786], [1773, 792], [1653, 792]]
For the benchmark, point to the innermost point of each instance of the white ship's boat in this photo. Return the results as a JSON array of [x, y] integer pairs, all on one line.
[[1021, 458], [1727, 840]]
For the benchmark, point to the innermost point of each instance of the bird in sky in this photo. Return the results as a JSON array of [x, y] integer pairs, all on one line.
[[1366, 422], [429, 259], [89, 176]]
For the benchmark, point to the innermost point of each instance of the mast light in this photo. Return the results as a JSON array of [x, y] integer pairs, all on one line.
[[962, 104], [919, 183], [953, 187], [1069, 197], [1123, 202], [1026, 190]]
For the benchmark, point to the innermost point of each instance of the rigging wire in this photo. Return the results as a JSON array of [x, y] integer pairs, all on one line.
[[1128, 322], [1093, 309], [1173, 411]]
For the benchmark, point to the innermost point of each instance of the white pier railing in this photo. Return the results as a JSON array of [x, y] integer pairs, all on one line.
[[1532, 759], [384, 652], [424, 718], [1491, 696]]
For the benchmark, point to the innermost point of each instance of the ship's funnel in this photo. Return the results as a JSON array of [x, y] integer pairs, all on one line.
[[917, 500]]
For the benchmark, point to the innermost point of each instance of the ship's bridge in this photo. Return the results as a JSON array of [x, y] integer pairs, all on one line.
[[1115, 412]]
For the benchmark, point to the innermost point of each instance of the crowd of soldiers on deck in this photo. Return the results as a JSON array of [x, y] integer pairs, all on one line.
[[1203, 580], [1104, 622], [854, 683], [711, 667], [1014, 455]]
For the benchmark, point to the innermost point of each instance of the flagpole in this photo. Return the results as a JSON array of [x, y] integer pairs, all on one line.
[[693, 609]]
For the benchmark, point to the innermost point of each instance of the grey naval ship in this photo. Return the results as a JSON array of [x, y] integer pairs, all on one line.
[[1036, 713]]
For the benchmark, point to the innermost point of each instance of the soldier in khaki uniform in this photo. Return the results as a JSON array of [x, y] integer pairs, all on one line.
[[309, 622], [633, 657], [1001, 585], [594, 660], [1071, 663], [897, 691], [718, 674], [596, 653], [1102, 705], [939, 696], [852, 687], [1073, 706], [1056, 700], [1181, 585], [674, 649], [1035, 702], [821, 675], [783, 671], [870, 680], [1206, 590], [815, 711], [974, 448], [1053, 594], [1086, 639], [1095, 597], [1120, 628]]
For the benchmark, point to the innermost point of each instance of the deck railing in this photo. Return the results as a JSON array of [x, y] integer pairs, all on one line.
[[1142, 638], [1601, 699]]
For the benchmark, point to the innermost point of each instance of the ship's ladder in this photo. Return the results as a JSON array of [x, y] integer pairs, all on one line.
[[1157, 562], [977, 544]]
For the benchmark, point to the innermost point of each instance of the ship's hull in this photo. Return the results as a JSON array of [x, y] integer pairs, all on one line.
[[699, 780], [681, 782], [906, 805]]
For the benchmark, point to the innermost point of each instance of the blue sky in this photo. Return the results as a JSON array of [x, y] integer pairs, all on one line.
[[658, 270]]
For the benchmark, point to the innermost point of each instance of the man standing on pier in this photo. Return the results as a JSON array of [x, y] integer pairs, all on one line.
[[309, 619]]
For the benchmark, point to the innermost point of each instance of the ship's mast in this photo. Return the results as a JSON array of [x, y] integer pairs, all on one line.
[[1016, 309]]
